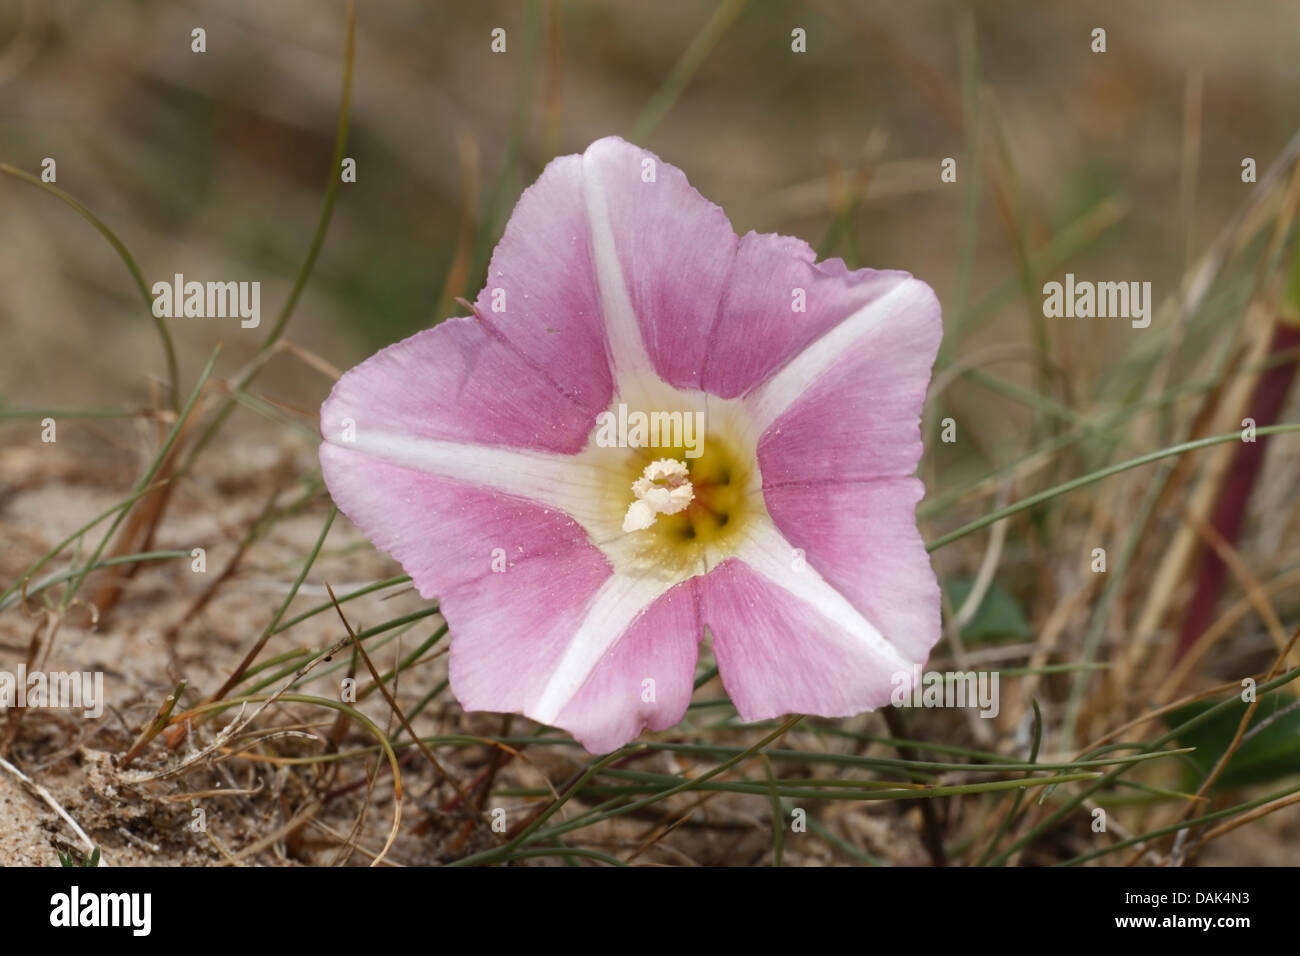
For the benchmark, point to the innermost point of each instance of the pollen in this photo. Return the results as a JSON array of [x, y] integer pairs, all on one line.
[[664, 488]]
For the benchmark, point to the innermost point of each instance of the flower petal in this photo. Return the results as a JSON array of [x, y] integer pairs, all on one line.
[[461, 381], [542, 277], [510, 628], [836, 463], [529, 369], [541, 626], [445, 532], [872, 367], [714, 312], [569, 483], [663, 253], [620, 601], [862, 538], [758, 329], [779, 653], [645, 680]]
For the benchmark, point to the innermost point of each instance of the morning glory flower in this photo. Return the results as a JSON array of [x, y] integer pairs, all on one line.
[[537, 466]]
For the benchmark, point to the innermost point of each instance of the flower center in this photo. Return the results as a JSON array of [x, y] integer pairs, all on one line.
[[672, 501], [688, 513]]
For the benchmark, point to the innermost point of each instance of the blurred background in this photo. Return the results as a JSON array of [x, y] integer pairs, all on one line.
[[214, 164]]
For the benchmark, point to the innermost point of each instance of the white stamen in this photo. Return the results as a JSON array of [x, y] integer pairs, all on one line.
[[664, 488], [639, 517]]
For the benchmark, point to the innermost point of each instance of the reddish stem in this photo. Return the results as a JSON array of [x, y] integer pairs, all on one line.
[[1266, 404]]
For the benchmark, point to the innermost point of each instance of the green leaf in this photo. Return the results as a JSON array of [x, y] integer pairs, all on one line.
[[1272, 753], [75, 859], [999, 614]]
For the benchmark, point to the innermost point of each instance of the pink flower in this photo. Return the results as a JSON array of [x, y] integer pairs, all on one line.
[[577, 576]]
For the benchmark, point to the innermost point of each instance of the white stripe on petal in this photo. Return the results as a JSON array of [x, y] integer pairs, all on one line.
[[770, 400], [620, 600], [565, 482], [627, 352], [766, 551]]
